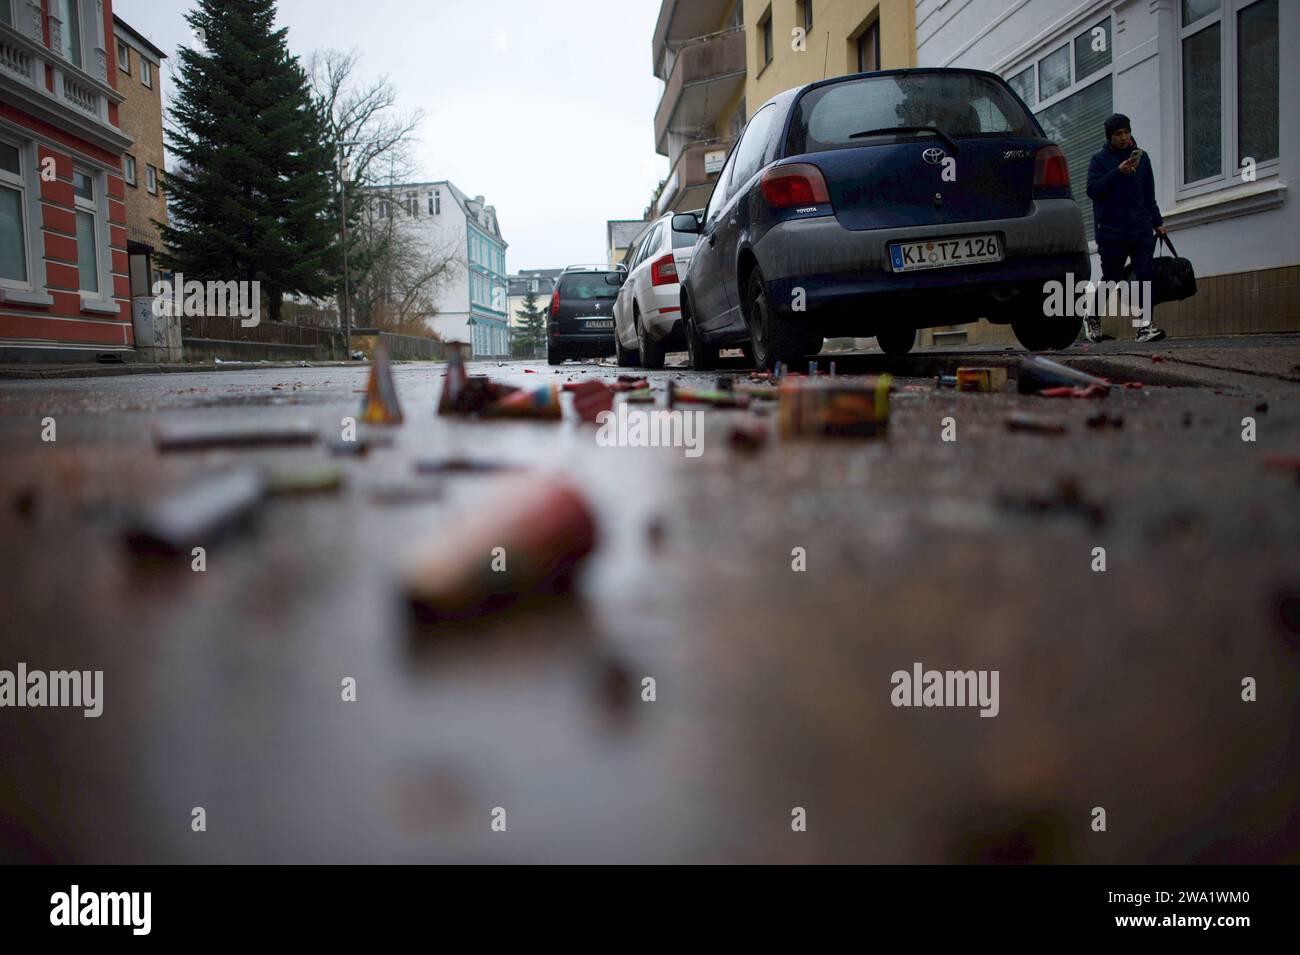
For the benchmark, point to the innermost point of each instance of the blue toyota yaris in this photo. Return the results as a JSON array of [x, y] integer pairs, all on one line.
[[878, 204]]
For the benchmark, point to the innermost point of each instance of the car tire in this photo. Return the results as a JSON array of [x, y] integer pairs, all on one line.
[[554, 358], [652, 352], [896, 340], [773, 339], [1042, 334], [625, 358], [702, 355]]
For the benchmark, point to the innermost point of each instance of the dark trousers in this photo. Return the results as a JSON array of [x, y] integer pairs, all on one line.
[[1115, 255]]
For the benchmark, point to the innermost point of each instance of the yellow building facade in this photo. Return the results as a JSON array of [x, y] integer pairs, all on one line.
[[719, 60], [793, 42]]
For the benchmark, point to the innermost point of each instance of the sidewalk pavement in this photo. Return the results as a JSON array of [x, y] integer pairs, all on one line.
[[1269, 363]]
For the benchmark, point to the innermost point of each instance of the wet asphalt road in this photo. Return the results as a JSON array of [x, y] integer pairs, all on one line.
[[1119, 689]]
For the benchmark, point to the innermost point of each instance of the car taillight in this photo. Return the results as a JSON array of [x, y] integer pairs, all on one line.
[[1051, 172], [555, 302], [798, 184], [663, 271]]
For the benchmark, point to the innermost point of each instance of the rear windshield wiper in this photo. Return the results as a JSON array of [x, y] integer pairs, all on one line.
[[948, 141]]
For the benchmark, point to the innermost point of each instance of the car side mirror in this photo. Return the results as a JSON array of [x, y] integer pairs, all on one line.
[[615, 278], [686, 222]]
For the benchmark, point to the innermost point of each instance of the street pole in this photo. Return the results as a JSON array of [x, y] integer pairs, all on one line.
[[345, 317]]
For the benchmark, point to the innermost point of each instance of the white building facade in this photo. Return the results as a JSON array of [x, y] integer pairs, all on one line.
[[1205, 84], [472, 301]]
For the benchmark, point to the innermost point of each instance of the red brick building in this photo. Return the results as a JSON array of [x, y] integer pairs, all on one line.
[[64, 286]]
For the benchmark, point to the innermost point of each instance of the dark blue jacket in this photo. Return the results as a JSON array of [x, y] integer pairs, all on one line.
[[1123, 207]]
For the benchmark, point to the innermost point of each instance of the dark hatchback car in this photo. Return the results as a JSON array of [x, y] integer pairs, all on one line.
[[580, 323], [878, 204]]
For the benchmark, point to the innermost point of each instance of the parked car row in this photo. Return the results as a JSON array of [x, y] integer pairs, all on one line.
[[871, 204]]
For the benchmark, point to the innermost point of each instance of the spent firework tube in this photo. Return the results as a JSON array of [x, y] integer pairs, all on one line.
[[528, 541], [758, 392], [453, 383], [380, 405], [197, 514], [812, 408], [981, 379], [590, 398], [543, 402], [692, 396], [1037, 373]]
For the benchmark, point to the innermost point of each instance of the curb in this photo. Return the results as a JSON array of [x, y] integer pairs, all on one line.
[[115, 371]]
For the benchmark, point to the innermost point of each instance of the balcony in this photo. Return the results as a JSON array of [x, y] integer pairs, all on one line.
[[680, 21], [693, 175], [76, 101], [16, 62], [705, 73]]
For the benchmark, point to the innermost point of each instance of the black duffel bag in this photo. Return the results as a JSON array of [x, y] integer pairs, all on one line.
[[1172, 277]]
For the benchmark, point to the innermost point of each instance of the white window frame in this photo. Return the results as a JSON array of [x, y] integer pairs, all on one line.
[[1067, 35], [1042, 51], [765, 34], [124, 53], [129, 171], [146, 72], [97, 208], [28, 185], [1229, 172], [151, 179], [57, 11]]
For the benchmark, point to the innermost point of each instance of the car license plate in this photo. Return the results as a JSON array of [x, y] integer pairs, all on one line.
[[941, 253], [603, 323]]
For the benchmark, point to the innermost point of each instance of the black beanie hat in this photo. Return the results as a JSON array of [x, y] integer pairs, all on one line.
[[1117, 121]]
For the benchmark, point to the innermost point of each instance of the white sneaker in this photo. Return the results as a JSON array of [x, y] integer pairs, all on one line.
[[1092, 331], [1149, 333]]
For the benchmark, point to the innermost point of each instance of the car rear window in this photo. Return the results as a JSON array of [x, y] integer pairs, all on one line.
[[963, 105], [587, 285]]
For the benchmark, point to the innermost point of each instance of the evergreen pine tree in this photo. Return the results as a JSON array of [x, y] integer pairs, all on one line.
[[529, 338], [250, 198]]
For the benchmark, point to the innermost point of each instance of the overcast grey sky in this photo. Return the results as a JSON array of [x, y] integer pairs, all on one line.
[[556, 130]]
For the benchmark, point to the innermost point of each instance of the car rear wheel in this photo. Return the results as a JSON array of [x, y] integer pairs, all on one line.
[[772, 339], [652, 352], [554, 357], [1040, 334], [625, 358], [896, 340], [702, 355]]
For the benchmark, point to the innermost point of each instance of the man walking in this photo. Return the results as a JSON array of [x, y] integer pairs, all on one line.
[[1122, 188]]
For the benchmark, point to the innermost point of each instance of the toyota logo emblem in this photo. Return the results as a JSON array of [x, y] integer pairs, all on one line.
[[934, 155]]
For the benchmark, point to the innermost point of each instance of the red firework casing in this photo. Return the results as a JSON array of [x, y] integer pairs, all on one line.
[[590, 398], [543, 402], [528, 540]]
